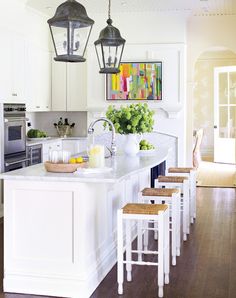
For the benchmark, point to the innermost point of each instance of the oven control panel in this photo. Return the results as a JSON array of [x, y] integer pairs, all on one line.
[[14, 110]]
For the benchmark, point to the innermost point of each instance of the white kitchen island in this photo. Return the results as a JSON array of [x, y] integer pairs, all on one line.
[[60, 229]]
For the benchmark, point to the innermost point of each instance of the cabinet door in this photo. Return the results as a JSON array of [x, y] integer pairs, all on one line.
[[58, 86], [47, 147], [5, 73], [74, 146], [71, 145], [18, 51], [12, 62], [76, 86], [44, 81], [38, 83], [31, 78]]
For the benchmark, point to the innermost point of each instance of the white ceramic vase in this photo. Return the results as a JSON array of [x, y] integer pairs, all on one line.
[[131, 145]]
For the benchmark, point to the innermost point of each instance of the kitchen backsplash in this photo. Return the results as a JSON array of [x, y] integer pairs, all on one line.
[[44, 121]]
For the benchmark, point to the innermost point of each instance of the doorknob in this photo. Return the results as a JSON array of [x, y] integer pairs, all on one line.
[[215, 126]]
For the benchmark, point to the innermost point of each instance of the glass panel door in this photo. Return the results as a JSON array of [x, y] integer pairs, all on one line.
[[225, 114]]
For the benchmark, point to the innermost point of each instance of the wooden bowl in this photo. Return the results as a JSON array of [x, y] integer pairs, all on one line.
[[63, 167]]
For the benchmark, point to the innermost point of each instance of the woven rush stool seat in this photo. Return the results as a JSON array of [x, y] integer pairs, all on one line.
[[165, 192], [180, 170], [143, 212], [181, 182], [153, 209], [191, 174], [170, 196], [174, 179]]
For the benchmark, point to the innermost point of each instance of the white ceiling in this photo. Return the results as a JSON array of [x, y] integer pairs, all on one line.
[[193, 7]]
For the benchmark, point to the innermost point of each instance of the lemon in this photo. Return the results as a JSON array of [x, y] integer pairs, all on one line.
[[72, 160], [79, 159]]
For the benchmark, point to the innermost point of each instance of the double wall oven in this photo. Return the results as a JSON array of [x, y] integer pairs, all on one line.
[[15, 154]]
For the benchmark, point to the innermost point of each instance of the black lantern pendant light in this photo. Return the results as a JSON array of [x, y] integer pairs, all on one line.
[[109, 47], [70, 29]]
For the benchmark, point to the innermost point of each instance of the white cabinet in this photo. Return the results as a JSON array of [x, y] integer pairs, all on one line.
[[74, 146], [12, 61], [48, 146], [69, 86], [38, 83], [18, 50], [59, 87]]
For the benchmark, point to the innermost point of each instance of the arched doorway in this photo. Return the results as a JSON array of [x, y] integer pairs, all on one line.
[[203, 94]]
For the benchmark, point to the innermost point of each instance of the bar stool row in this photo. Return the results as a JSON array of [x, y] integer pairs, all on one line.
[[170, 207]]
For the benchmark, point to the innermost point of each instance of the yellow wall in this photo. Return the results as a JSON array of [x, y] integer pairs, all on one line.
[[203, 95], [204, 33]]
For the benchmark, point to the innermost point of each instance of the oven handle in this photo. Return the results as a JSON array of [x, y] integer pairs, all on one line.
[[12, 119], [7, 164]]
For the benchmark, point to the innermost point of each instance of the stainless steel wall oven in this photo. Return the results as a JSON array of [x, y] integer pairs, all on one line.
[[15, 156]]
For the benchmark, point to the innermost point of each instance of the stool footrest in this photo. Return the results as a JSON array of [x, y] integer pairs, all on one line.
[[147, 252], [141, 263]]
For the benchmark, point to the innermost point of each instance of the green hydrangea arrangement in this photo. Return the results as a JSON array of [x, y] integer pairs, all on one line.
[[134, 118]]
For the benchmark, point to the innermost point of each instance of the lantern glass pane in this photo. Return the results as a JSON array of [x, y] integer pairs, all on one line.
[[78, 38], [98, 48], [60, 39], [112, 56]]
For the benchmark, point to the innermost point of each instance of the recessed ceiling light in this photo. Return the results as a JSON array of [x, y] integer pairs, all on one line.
[[48, 7], [123, 3]]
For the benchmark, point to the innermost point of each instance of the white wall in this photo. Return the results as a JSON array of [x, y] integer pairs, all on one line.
[[44, 121], [16, 17], [150, 36], [204, 33]]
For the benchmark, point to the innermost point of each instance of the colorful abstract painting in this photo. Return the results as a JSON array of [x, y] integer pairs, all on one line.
[[136, 81]]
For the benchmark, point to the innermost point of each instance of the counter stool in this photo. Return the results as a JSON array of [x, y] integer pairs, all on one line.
[[191, 174], [171, 197], [182, 183], [143, 212]]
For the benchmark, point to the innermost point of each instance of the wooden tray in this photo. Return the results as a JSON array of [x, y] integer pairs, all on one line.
[[63, 167]]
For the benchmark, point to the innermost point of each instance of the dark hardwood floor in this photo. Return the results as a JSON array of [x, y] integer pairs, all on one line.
[[206, 267]]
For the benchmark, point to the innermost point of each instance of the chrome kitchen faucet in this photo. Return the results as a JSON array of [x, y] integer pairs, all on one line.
[[113, 137]]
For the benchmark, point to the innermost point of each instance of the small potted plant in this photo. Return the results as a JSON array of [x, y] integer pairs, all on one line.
[[64, 129], [131, 120]]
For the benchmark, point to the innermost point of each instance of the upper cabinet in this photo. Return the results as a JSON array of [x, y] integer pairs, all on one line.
[[12, 77], [25, 72], [38, 79], [69, 86]]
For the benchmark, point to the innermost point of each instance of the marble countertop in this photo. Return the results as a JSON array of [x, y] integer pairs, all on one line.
[[52, 139], [122, 166]]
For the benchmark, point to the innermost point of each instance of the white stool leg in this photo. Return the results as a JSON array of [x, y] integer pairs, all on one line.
[[174, 230], [140, 239], [145, 237], [128, 250], [160, 256], [178, 216], [166, 246], [185, 211], [194, 173], [120, 270], [186, 191], [155, 231]]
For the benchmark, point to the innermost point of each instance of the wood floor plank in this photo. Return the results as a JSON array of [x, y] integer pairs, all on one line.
[[206, 267]]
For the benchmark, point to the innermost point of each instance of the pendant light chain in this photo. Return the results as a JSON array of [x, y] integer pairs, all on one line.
[[109, 9]]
